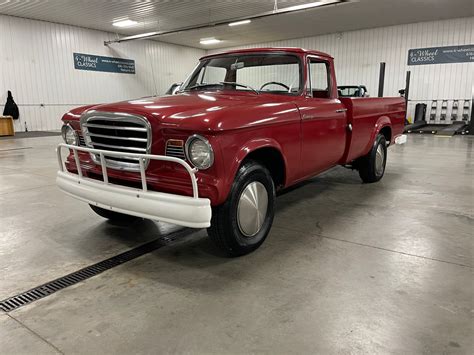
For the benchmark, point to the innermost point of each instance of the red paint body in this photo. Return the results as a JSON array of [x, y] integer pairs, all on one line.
[[307, 132]]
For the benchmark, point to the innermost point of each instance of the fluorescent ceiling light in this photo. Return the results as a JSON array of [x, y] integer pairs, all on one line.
[[142, 35], [243, 22], [209, 41], [303, 6], [125, 23]]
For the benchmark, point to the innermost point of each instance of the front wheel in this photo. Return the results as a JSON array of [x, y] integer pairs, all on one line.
[[372, 166], [241, 224]]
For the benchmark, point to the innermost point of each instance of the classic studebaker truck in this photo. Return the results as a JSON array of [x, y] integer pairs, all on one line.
[[242, 126]]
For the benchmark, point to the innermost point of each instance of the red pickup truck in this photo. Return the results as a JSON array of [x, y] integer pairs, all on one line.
[[243, 125]]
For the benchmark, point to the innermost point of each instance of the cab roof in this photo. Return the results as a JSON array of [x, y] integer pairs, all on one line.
[[269, 50]]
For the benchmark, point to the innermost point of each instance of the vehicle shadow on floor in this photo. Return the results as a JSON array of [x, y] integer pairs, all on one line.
[[338, 194]]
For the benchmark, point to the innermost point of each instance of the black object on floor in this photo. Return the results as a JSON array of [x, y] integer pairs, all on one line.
[[438, 129], [413, 127], [452, 129], [51, 287], [430, 128], [32, 134]]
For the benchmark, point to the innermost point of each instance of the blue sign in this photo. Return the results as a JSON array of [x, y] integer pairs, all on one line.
[[105, 64], [441, 55]]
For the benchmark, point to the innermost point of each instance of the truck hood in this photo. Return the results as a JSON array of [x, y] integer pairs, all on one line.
[[202, 111]]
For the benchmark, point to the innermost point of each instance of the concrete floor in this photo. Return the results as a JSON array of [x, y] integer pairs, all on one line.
[[347, 267]]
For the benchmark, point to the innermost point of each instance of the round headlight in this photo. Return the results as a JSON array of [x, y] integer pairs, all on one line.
[[69, 135], [199, 152]]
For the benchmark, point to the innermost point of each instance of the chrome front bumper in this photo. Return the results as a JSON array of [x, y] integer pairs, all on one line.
[[186, 211]]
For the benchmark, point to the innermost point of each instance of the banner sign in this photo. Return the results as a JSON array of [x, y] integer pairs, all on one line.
[[441, 55], [105, 64]]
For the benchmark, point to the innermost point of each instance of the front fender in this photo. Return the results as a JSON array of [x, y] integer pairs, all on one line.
[[249, 147]]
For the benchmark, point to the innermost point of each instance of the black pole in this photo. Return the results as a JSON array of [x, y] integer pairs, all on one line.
[[381, 78], [470, 125], [407, 86]]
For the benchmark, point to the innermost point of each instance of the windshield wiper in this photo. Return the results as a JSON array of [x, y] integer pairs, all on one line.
[[237, 84], [198, 86]]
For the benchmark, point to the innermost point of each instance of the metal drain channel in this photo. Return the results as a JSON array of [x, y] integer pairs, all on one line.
[[36, 293]]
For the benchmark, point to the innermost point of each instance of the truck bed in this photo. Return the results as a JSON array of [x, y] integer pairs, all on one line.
[[365, 113]]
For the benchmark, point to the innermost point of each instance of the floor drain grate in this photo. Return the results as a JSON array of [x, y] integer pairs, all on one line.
[[51, 287]]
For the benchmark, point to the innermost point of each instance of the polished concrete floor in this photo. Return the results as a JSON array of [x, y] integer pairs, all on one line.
[[347, 267]]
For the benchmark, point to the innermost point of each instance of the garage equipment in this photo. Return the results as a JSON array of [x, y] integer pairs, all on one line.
[[420, 121], [465, 111], [420, 112], [444, 110], [434, 108], [454, 111], [457, 127], [470, 126], [447, 125]]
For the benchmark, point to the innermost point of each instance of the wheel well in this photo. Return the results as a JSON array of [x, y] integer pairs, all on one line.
[[387, 132], [272, 159]]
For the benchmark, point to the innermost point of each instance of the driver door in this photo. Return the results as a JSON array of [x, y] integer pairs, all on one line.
[[323, 120]]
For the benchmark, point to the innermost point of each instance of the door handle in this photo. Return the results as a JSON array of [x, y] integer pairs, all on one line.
[[341, 110]]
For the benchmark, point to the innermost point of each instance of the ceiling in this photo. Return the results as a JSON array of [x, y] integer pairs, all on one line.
[[165, 15]]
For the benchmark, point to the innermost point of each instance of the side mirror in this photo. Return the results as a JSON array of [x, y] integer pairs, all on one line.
[[173, 89], [177, 88]]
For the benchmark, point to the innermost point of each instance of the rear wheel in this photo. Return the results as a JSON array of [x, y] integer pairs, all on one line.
[[241, 224], [372, 166], [115, 217]]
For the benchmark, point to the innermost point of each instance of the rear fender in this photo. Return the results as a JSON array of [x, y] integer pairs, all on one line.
[[382, 122]]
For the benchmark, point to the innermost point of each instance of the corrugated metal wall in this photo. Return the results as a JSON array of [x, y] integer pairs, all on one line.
[[36, 64], [358, 54]]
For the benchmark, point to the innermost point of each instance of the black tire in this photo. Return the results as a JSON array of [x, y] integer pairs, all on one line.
[[369, 169], [225, 231], [114, 217]]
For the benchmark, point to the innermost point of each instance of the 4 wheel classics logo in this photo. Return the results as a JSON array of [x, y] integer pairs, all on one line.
[[85, 61], [104, 64], [441, 55], [423, 55]]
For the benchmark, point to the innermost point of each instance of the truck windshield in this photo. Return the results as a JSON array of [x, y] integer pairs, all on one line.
[[258, 73]]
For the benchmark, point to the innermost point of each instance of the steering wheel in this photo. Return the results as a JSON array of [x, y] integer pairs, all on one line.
[[275, 83]]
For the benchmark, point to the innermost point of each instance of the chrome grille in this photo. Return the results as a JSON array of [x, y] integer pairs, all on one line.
[[175, 148], [118, 132], [82, 142]]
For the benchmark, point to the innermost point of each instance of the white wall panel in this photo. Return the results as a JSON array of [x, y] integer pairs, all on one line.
[[358, 54], [36, 64]]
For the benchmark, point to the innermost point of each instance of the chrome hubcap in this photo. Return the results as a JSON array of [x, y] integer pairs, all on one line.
[[252, 208], [379, 160]]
